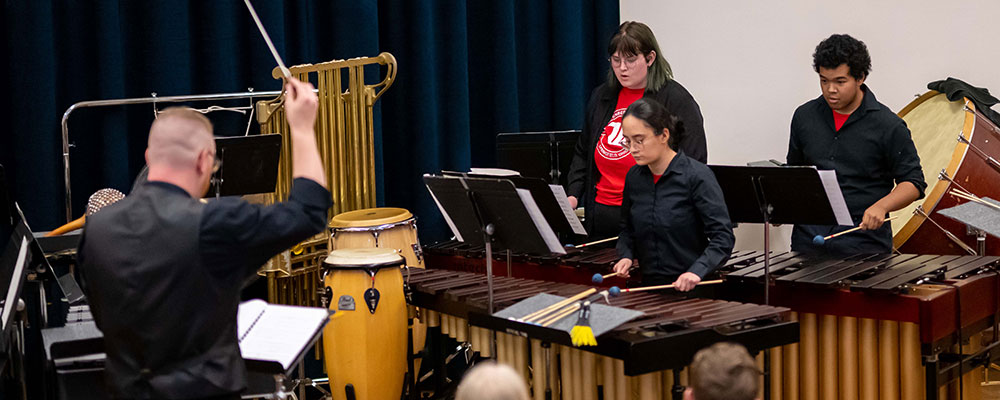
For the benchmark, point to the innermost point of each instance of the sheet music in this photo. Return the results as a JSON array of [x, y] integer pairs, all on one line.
[[551, 241], [447, 218], [273, 332], [10, 303], [568, 211], [837, 203], [494, 172]]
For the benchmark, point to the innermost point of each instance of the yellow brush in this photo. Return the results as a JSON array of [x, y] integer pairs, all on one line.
[[582, 334]]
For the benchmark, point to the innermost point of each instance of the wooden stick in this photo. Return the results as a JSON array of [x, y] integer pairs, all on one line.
[[855, 229], [974, 198], [267, 38], [670, 286], [565, 313], [554, 307], [579, 246]]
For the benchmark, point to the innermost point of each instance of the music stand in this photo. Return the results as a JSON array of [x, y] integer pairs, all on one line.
[[493, 212], [979, 219], [781, 195], [249, 165]]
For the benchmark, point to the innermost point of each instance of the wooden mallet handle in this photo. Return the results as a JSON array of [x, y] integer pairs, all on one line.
[[854, 229], [561, 304], [670, 286], [595, 242]]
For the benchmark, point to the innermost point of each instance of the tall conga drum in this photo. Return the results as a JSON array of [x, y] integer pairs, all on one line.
[[955, 143], [365, 348], [385, 227]]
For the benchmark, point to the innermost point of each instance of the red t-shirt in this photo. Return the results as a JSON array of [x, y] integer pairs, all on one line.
[[839, 119], [656, 178], [613, 161]]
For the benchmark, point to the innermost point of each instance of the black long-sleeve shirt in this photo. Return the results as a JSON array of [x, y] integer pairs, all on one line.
[[163, 274], [871, 153], [677, 224]]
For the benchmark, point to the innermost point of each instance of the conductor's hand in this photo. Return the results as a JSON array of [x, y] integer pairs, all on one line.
[[874, 218], [300, 106], [573, 202], [622, 267], [687, 281]]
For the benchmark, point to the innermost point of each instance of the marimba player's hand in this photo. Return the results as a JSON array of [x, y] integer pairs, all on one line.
[[622, 267], [573, 202], [874, 218], [687, 281]]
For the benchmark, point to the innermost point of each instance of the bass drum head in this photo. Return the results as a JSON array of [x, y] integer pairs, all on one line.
[[370, 217], [934, 123], [370, 258]]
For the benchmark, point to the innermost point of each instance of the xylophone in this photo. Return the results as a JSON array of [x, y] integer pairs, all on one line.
[[666, 337], [877, 326], [577, 266]]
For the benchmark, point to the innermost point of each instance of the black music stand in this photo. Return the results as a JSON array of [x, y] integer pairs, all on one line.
[[249, 165], [780, 195], [555, 208], [492, 212], [979, 219]]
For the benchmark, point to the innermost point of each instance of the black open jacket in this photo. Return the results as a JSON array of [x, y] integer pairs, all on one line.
[[583, 173]]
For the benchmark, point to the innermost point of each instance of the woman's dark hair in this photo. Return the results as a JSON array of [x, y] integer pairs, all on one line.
[[843, 49], [657, 117], [635, 38]]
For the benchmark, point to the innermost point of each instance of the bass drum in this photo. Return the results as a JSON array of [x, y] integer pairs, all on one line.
[[957, 145]]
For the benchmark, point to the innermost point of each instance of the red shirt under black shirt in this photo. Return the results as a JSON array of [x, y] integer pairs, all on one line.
[[612, 159], [839, 119]]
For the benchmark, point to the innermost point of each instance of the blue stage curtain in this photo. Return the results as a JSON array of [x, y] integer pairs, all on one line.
[[467, 71]]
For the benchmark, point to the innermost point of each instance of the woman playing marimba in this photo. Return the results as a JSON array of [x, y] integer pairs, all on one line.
[[675, 219]]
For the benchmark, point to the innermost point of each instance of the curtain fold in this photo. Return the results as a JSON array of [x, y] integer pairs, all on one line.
[[467, 71]]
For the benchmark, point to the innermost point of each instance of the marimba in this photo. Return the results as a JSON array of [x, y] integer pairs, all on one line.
[[876, 326], [665, 338]]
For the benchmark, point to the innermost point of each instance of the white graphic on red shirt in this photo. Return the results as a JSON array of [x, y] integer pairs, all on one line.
[[609, 145]]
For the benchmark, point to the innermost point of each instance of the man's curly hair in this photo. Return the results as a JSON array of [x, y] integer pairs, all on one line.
[[843, 49]]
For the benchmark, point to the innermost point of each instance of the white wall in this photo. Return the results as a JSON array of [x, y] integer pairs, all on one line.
[[749, 63]]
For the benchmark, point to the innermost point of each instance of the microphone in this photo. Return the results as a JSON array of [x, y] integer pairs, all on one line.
[[100, 199]]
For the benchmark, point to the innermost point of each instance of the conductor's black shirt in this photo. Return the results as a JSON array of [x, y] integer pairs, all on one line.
[[871, 153], [677, 224], [163, 273]]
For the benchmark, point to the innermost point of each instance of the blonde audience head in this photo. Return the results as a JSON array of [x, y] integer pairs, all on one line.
[[492, 381]]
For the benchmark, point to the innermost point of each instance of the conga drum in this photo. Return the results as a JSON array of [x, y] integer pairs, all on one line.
[[955, 143], [387, 227], [365, 347], [391, 228]]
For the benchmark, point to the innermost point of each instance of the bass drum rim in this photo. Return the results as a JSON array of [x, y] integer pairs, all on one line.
[[940, 188]]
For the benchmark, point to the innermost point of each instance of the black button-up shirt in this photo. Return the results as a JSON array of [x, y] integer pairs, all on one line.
[[678, 224], [163, 274], [871, 153]]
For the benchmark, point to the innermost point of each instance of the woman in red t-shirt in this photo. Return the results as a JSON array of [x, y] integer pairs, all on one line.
[[597, 173]]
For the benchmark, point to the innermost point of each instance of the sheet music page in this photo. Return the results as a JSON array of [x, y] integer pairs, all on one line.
[[494, 172], [249, 312], [563, 201], [281, 333], [447, 218], [551, 241], [837, 203]]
